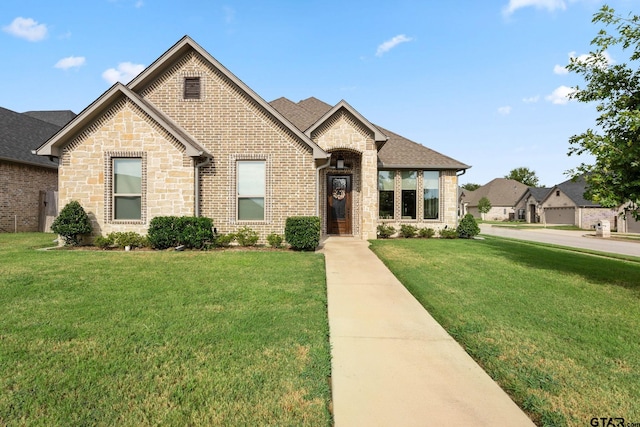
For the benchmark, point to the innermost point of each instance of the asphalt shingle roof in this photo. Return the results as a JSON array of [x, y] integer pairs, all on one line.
[[499, 191], [21, 133], [398, 152], [56, 117], [575, 191]]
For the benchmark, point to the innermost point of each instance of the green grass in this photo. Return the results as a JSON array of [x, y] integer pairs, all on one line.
[[558, 330], [161, 338]]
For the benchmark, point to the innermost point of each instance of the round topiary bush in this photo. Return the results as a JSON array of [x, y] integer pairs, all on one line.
[[72, 223]]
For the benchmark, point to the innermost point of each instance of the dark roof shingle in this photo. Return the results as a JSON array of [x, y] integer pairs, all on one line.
[[21, 133], [397, 153]]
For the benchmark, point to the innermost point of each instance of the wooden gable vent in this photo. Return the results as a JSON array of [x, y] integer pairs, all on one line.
[[192, 88]]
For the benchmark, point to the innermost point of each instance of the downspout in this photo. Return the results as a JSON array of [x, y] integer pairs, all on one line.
[[326, 165], [457, 198], [197, 186]]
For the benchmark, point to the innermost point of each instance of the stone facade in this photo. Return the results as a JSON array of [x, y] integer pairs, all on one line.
[[20, 187]]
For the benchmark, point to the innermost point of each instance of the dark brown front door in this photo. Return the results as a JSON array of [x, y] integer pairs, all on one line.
[[339, 204]]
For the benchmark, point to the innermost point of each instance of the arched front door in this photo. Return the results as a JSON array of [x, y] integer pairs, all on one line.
[[339, 204]]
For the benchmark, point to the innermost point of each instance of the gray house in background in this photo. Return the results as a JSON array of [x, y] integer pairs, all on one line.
[[530, 203], [25, 178], [503, 194]]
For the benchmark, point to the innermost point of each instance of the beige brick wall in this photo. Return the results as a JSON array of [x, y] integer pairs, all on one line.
[[20, 187], [126, 130], [232, 126]]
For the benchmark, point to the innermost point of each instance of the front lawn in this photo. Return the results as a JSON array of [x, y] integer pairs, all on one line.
[[161, 338], [558, 330]]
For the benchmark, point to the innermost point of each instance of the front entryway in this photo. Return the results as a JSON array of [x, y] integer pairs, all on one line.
[[339, 215]]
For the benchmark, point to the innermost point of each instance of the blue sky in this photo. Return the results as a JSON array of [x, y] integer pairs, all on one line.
[[480, 81]]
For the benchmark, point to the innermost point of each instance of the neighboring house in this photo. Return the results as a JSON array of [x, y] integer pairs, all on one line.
[[565, 204], [626, 222], [25, 178], [187, 137], [530, 204], [503, 194]]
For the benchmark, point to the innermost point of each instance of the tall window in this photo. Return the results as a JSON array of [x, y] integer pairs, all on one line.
[[127, 188], [386, 194], [431, 194], [251, 190], [409, 188]]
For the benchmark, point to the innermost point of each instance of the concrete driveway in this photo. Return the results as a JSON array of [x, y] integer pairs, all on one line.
[[575, 239]]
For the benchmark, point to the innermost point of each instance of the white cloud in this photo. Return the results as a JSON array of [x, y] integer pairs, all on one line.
[[531, 99], [229, 14], [504, 111], [585, 58], [125, 72], [391, 43], [560, 70], [70, 62], [139, 4], [549, 5], [26, 28], [560, 96]]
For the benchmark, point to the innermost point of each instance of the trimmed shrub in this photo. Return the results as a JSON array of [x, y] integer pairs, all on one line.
[[426, 233], [468, 227], [303, 232], [72, 223], [103, 242], [171, 231], [408, 231], [275, 240], [224, 240], [385, 231], [448, 233], [247, 236]]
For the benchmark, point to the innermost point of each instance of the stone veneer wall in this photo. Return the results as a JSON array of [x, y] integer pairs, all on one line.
[[232, 126], [343, 132], [20, 187], [125, 130]]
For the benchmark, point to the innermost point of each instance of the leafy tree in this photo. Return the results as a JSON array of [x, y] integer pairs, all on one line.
[[72, 223], [471, 186], [484, 206], [525, 176], [614, 178]]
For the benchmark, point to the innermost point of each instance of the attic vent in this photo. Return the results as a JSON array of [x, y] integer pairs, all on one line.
[[192, 88]]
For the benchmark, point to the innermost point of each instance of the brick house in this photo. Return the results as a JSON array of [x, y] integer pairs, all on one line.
[[503, 194], [25, 177], [187, 137]]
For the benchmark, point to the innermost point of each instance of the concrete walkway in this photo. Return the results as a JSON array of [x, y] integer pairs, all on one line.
[[392, 363]]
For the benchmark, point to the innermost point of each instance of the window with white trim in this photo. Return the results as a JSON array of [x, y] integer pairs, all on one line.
[[251, 189], [127, 188]]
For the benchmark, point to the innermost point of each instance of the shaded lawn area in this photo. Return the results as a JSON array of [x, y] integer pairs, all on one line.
[[161, 338], [558, 330]]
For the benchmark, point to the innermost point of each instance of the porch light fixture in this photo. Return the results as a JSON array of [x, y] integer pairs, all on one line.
[[340, 162]]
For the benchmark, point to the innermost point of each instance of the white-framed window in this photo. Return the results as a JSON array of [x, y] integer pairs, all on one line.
[[127, 188], [431, 194], [251, 190]]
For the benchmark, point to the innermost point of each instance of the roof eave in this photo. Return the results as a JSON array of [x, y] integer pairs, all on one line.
[[379, 137]]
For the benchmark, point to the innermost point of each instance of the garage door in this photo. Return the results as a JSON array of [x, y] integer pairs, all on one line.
[[560, 215], [633, 226]]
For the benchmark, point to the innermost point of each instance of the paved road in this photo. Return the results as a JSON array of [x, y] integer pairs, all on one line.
[[575, 239]]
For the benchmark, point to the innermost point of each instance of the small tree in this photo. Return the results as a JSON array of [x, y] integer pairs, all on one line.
[[468, 227], [484, 206], [72, 223]]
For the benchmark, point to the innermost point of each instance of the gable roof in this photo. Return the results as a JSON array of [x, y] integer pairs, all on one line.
[[56, 117], [20, 134], [499, 191], [538, 193], [575, 189], [186, 44], [98, 107], [397, 153]]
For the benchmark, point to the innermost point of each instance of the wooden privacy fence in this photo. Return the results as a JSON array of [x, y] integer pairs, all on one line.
[[47, 210]]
